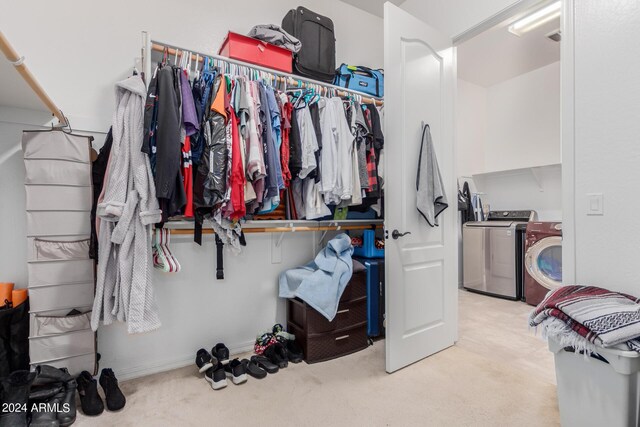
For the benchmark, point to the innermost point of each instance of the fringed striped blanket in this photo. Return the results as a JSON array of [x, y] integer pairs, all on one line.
[[586, 316]]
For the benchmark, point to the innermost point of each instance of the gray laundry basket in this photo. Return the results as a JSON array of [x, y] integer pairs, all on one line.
[[602, 390], [59, 195]]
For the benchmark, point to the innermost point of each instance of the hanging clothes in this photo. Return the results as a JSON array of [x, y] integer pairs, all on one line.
[[163, 142], [308, 142], [98, 173], [272, 190], [295, 157], [124, 288], [285, 151], [187, 176], [191, 125]]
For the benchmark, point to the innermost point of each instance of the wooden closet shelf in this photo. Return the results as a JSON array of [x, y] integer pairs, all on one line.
[[182, 231]]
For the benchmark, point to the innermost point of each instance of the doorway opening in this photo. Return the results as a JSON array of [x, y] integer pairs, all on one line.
[[508, 158]]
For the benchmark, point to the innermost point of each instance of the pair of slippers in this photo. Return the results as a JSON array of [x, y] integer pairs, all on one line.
[[163, 259], [259, 366]]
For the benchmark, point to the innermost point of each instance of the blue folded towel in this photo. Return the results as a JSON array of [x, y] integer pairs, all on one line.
[[321, 282]]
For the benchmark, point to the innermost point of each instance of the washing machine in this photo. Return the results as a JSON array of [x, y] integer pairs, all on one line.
[[492, 254], [542, 260]]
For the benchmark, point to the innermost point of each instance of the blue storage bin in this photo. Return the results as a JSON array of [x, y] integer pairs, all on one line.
[[368, 248], [375, 296]]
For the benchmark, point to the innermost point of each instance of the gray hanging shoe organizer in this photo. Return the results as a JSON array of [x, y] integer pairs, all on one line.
[[58, 187]]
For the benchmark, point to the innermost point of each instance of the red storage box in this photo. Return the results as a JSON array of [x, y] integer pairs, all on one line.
[[247, 49]]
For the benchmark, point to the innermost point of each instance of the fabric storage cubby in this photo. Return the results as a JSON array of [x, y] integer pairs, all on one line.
[[42, 273], [51, 172], [53, 223], [44, 325], [57, 146], [52, 250], [64, 296], [47, 198], [34, 246], [56, 347], [59, 195]]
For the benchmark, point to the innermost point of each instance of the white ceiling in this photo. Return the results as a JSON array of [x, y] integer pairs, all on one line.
[[14, 91], [497, 55], [375, 7]]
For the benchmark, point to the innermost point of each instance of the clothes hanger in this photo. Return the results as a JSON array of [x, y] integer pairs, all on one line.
[[165, 55]]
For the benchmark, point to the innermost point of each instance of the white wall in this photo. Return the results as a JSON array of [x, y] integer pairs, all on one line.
[[471, 127], [520, 189], [88, 47], [509, 127], [607, 150], [523, 120]]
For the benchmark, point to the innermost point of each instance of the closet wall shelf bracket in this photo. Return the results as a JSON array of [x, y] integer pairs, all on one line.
[[279, 242], [537, 179], [324, 234]]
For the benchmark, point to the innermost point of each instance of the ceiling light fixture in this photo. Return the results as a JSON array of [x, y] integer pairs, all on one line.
[[536, 19]]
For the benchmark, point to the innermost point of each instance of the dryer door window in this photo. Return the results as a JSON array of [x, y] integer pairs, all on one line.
[[550, 262], [544, 262]]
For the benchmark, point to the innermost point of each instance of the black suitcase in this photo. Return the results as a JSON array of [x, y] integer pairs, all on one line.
[[317, 58]]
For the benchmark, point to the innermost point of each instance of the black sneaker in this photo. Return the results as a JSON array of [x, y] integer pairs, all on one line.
[[216, 376], [113, 395], [294, 352], [204, 360], [221, 352], [90, 400], [236, 371]]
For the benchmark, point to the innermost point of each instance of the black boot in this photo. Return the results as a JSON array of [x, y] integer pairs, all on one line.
[[57, 388], [5, 349], [113, 395], [67, 413], [15, 394], [44, 403], [90, 400], [19, 337]]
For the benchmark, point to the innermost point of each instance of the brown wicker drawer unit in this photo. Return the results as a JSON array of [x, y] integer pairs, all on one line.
[[347, 333]]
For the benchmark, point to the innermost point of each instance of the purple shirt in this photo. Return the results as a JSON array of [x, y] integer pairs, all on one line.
[[189, 115]]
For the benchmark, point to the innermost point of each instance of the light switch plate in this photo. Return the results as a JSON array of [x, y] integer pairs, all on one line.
[[595, 204]]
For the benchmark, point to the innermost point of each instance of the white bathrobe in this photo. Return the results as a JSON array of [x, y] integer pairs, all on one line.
[[124, 284]]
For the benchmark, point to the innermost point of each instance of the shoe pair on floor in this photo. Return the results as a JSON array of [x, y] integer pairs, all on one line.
[[91, 401], [279, 346], [217, 367], [284, 351]]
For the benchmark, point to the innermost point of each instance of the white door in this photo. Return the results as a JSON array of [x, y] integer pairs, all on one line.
[[421, 267]]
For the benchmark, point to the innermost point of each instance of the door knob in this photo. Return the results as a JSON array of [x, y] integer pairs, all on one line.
[[396, 234]]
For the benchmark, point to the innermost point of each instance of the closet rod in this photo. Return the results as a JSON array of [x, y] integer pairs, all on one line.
[[290, 79], [281, 229], [18, 62]]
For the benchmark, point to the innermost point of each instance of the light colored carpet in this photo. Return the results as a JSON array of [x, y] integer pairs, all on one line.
[[498, 374]]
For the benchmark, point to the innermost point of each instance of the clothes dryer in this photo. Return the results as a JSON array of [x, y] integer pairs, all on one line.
[[542, 260]]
